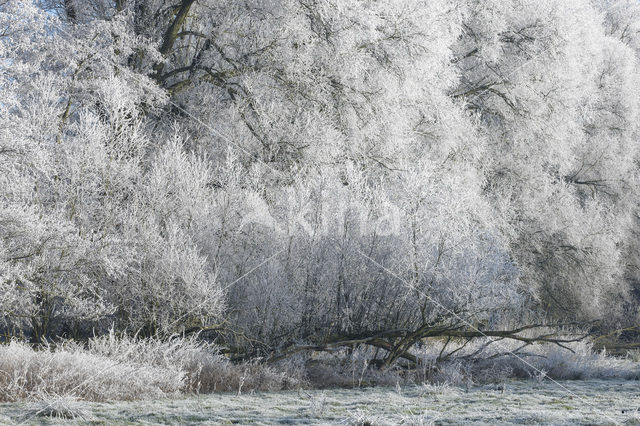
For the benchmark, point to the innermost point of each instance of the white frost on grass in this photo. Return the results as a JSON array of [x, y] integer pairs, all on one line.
[[123, 368], [25, 374], [523, 402], [56, 407]]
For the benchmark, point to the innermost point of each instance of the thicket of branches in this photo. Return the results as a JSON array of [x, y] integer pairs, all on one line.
[[313, 173]]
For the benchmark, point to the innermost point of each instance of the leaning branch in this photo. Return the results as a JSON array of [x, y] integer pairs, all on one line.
[[399, 342]]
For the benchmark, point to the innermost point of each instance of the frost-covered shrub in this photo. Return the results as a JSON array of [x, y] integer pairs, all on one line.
[[125, 368], [73, 372], [205, 369], [585, 363], [476, 363], [505, 360]]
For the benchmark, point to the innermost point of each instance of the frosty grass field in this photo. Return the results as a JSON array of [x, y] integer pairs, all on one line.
[[521, 402]]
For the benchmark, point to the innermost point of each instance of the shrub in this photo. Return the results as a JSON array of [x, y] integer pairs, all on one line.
[[126, 368], [71, 371]]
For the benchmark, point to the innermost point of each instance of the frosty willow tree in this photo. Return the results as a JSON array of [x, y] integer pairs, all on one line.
[[317, 171]]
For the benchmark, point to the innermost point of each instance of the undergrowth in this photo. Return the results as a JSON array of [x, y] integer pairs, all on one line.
[[124, 368], [114, 367]]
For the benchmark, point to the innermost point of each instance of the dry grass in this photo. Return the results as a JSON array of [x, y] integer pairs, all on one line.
[[26, 373], [475, 365], [114, 367], [58, 407], [496, 364], [124, 368]]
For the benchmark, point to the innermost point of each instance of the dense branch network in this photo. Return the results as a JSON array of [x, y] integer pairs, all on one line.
[[412, 167]]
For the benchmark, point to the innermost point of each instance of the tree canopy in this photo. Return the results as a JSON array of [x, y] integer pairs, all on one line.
[[311, 170]]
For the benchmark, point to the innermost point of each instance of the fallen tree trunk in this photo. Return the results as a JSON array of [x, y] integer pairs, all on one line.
[[398, 343]]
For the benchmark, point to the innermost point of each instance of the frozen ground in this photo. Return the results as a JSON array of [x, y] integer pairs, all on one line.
[[530, 402]]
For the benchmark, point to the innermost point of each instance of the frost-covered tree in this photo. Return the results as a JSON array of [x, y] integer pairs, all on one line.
[[555, 97], [294, 170], [79, 240]]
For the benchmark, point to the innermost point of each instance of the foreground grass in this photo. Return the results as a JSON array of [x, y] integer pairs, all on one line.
[[521, 402], [121, 380]]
